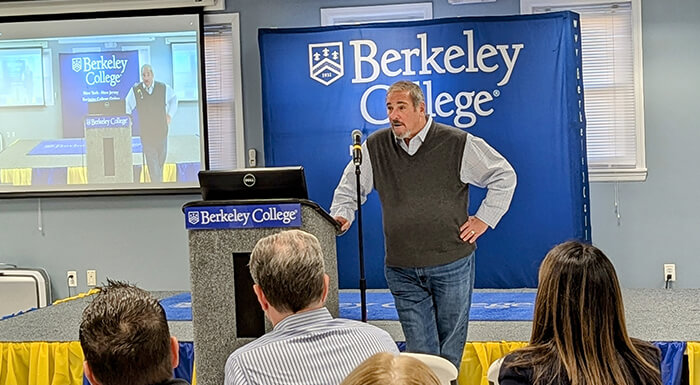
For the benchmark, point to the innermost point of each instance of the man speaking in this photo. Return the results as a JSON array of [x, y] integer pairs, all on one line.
[[156, 104], [422, 171]]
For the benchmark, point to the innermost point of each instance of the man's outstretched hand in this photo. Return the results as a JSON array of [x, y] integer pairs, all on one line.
[[344, 224]]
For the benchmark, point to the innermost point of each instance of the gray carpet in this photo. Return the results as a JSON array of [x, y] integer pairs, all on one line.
[[61, 323]]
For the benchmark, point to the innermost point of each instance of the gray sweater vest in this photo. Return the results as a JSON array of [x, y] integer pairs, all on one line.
[[151, 109], [424, 202]]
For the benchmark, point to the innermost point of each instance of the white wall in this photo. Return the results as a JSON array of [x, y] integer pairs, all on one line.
[[660, 218], [139, 239], [142, 238]]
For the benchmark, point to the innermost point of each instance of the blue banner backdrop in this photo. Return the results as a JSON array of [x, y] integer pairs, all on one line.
[[93, 77], [513, 80]]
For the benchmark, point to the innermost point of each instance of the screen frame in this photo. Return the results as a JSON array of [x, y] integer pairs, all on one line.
[[28, 191]]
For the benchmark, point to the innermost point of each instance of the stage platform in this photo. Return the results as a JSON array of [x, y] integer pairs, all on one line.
[[655, 315]]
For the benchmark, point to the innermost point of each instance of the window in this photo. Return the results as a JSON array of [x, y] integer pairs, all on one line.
[[612, 81], [184, 56], [21, 75], [223, 87]]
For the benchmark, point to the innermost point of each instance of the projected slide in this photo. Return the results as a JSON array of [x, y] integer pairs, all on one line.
[[109, 104]]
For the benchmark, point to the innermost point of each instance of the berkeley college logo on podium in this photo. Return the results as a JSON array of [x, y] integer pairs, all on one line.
[[326, 62], [193, 217]]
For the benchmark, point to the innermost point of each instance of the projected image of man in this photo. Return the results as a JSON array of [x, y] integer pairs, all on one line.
[[156, 104]]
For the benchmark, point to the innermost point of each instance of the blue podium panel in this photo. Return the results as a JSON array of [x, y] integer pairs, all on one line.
[[513, 80]]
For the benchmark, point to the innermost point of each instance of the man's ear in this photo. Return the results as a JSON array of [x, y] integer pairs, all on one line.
[[261, 297], [174, 352], [326, 285], [88, 373]]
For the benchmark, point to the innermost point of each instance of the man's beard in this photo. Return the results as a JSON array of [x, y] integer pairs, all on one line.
[[405, 135]]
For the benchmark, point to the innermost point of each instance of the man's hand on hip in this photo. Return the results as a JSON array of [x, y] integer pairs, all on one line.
[[472, 229]]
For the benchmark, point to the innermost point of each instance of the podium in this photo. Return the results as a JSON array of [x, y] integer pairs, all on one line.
[[108, 151], [225, 312]]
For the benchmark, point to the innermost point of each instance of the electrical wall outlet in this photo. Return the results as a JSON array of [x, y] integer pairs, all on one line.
[[252, 157], [91, 278], [72, 276], [669, 270]]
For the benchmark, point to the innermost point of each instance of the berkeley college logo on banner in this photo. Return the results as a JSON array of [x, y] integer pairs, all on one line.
[[326, 62], [243, 216], [422, 56], [92, 77]]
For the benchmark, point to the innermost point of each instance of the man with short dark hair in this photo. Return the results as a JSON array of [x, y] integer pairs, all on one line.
[[307, 345], [125, 339]]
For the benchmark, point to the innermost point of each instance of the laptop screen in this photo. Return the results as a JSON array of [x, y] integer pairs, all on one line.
[[253, 183]]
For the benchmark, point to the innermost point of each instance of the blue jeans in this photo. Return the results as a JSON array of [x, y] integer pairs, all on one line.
[[433, 305]]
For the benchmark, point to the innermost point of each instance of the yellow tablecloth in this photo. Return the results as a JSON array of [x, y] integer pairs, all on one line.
[[61, 363]]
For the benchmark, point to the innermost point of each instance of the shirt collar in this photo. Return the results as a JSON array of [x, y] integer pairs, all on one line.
[[303, 319], [423, 131]]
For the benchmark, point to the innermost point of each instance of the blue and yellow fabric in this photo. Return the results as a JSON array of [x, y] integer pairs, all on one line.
[[478, 356], [693, 349], [16, 176], [41, 363], [61, 363], [54, 363], [172, 172]]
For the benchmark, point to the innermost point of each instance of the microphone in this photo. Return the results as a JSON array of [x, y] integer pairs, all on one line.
[[356, 148]]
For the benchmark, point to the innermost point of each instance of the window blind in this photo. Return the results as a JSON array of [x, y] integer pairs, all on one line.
[[608, 79], [218, 47]]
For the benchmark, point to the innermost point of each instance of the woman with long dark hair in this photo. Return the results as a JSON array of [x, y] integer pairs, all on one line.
[[579, 336]]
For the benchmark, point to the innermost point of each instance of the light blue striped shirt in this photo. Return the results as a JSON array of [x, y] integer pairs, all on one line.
[[310, 348]]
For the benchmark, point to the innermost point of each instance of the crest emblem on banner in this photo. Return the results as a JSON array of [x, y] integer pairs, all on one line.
[[326, 62], [77, 64], [193, 217]]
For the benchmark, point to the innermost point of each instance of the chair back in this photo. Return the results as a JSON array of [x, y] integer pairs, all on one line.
[[443, 368]]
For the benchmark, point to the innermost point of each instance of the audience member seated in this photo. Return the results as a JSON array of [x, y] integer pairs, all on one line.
[[126, 340], [579, 336], [307, 345], [387, 368]]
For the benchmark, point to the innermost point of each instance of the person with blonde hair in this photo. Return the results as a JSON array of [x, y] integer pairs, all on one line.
[[579, 336], [387, 368]]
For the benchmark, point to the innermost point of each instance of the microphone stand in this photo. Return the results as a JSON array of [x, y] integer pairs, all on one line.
[[363, 282]]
